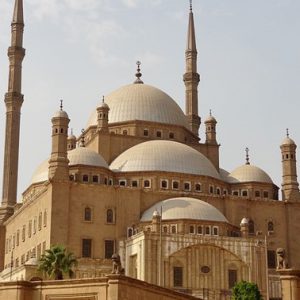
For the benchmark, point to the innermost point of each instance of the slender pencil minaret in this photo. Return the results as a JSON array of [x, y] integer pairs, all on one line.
[[13, 102], [191, 78]]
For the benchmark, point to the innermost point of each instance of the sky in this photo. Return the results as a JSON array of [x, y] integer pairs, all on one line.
[[79, 50]]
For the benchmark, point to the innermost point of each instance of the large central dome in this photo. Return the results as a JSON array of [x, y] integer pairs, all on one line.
[[142, 102], [165, 156]]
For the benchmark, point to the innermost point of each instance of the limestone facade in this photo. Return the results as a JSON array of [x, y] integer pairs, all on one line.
[[140, 151]]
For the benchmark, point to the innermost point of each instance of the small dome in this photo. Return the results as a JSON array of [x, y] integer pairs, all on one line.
[[249, 173], [87, 157], [244, 221], [185, 208], [78, 156], [155, 214], [103, 105], [61, 114], [210, 119], [71, 137], [142, 102], [288, 141], [167, 156]]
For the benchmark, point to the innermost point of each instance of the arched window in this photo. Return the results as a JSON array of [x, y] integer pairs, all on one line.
[[251, 227], [198, 187], [129, 232], [164, 184], [87, 214], [45, 218], [146, 183], [175, 185], [270, 226], [40, 221], [187, 186], [192, 229], [85, 178], [109, 216]]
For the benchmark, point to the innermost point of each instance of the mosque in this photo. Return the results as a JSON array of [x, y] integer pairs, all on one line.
[[139, 182]]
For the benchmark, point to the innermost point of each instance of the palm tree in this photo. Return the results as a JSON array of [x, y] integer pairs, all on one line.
[[57, 261]]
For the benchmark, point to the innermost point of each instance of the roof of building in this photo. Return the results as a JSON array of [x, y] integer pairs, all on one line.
[[288, 141], [249, 173], [161, 155], [78, 156], [60, 114], [142, 102], [184, 208]]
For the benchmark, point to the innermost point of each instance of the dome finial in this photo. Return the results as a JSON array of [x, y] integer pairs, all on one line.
[[82, 141], [138, 73], [210, 114], [247, 156], [71, 131], [103, 99], [287, 133], [191, 5], [61, 105]]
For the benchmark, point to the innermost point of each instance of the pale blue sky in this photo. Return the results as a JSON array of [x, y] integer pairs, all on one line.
[[78, 50]]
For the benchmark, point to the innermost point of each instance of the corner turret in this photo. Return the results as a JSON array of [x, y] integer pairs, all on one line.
[[58, 163], [290, 185], [210, 132], [102, 117]]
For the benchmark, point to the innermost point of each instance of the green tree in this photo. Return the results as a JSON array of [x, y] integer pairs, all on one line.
[[246, 291], [56, 262]]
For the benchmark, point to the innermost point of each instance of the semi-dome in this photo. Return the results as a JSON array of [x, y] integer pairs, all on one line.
[[78, 156], [185, 208], [165, 156], [142, 102], [249, 173]]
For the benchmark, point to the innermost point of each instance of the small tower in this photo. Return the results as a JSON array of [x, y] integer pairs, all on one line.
[[71, 141], [58, 163], [102, 113], [244, 227], [13, 101], [191, 78], [210, 132], [290, 186], [156, 220]]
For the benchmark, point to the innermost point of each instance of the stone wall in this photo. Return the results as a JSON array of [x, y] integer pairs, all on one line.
[[113, 287]]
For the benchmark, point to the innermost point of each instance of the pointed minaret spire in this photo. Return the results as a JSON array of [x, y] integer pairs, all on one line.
[[18, 12], [13, 102], [191, 78], [247, 156]]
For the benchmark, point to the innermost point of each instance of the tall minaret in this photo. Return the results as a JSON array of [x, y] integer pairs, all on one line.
[[191, 78], [13, 102], [290, 185]]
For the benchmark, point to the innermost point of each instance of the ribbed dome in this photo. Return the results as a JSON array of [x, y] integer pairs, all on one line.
[[185, 208], [249, 173], [166, 156], [141, 102], [78, 156]]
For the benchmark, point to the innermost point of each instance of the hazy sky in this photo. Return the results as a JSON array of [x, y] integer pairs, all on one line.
[[78, 50]]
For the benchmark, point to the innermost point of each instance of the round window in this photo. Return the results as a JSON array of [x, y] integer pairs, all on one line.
[[205, 269]]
